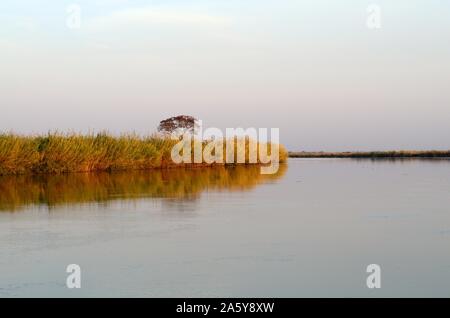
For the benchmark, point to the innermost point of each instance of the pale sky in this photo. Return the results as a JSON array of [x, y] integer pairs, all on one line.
[[311, 68]]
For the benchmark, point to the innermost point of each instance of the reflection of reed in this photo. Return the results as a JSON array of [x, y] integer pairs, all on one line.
[[18, 192]]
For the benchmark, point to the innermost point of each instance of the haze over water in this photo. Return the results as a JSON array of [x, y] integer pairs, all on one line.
[[230, 232]]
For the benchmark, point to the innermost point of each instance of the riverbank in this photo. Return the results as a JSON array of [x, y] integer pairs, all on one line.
[[373, 154], [62, 153]]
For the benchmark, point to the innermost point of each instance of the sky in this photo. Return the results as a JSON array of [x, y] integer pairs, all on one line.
[[313, 69]]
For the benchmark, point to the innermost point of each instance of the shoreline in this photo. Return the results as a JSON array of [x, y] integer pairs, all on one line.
[[399, 154], [57, 153], [162, 167]]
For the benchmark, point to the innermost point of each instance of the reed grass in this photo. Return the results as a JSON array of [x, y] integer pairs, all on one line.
[[62, 153]]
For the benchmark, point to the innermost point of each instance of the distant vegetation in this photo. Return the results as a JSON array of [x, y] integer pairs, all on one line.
[[60, 153], [372, 154]]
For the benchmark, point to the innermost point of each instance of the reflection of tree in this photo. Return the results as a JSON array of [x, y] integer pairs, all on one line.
[[17, 192]]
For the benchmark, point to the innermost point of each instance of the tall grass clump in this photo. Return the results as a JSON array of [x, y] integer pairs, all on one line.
[[62, 153], [18, 154]]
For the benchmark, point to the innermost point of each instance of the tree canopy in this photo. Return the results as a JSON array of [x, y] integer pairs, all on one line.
[[178, 125]]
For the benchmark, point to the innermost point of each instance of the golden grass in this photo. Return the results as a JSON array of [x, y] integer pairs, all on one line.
[[62, 153]]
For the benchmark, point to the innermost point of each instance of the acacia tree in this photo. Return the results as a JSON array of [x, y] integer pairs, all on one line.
[[178, 125]]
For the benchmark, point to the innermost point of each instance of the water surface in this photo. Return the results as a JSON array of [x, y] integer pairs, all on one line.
[[309, 231]]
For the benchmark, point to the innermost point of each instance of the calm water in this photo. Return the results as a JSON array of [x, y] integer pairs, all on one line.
[[309, 231]]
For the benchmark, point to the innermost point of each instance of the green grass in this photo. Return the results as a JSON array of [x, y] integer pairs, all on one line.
[[62, 153]]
